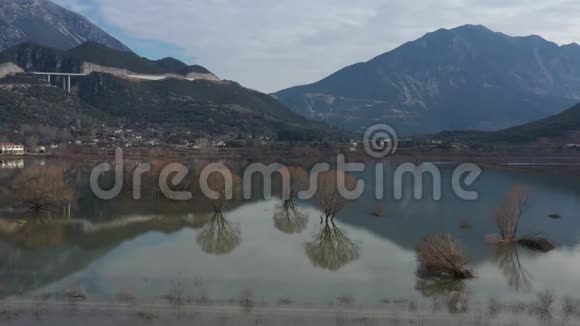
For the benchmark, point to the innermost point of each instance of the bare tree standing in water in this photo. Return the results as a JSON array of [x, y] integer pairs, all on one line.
[[508, 218], [330, 200], [42, 188], [288, 218], [510, 213]]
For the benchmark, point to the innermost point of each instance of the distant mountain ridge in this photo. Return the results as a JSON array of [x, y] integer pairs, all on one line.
[[562, 126], [48, 24], [203, 106], [463, 78], [90, 56]]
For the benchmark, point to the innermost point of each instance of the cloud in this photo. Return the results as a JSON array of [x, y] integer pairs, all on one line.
[[79, 6], [269, 45]]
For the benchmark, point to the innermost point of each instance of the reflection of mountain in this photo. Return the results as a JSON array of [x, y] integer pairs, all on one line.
[[289, 219], [33, 255], [332, 248], [408, 221], [24, 270], [33, 258], [219, 236]]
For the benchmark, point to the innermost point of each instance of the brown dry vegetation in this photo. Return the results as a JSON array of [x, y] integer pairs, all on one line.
[[41, 188], [441, 256], [218, 183], [379, 212], [509, 214], [298, 181], [288, 218], [536, 243], [508, 218], [330, 200]]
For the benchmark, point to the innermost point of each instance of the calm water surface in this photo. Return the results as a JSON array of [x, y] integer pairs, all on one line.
[[153, 247]]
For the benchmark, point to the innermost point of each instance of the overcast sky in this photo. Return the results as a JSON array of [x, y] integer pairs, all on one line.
[[273, 44]]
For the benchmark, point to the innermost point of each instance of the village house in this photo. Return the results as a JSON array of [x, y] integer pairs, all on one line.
[[11, 149]]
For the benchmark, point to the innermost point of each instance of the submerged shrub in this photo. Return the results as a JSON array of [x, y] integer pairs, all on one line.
[[42, 188], [329, 197], [441, 256], [508, 218], [509, 214], [536, 243], [379, 212]]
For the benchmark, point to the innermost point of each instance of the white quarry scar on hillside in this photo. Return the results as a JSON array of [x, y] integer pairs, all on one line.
[[89, 67], [10, 68]]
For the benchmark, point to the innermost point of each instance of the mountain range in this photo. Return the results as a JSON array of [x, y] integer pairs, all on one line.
[[118, 87], [463, 78], [46, 23], [123, 89], [93, 57]]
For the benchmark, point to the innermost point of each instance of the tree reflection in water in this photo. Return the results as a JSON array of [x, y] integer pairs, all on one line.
[[508, 262], [218, 237], [332, 249], [432, 286], [445, 291], [36, 236], [289, 219]]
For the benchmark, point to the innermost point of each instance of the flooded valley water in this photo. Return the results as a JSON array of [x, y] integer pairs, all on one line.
[[155, 247]]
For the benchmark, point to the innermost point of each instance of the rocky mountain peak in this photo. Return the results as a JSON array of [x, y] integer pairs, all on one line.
[[46, 23], [484, 79]]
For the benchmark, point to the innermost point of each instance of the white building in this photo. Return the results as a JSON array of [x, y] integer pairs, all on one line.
[[11, 149]]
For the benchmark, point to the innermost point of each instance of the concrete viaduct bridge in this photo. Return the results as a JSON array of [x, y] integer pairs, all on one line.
[[65, 80]]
